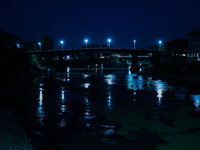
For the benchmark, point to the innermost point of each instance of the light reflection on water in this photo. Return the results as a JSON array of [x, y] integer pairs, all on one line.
[[110, 79], [116, 94], [109, 102], [40, 112], [86, 85], [68, 69], [86, 75], [196, 99], [87, 101], [88, 115], [135, 82], [63, 95], [63, 107], [160, 88]]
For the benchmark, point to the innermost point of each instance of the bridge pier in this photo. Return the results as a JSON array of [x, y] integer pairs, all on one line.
[[134, 66]]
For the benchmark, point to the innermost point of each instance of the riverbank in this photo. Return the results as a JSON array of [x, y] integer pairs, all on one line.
[[189, 78], [12, 134]]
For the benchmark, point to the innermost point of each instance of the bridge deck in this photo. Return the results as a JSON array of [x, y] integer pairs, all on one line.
[[117, 50]]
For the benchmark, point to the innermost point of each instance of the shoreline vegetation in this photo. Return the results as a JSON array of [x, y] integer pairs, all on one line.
[[15, 79]]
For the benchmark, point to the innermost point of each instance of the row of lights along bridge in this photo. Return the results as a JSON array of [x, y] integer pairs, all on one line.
[[86, 41]]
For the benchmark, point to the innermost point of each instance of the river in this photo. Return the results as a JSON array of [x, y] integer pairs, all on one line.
[[111, 109]]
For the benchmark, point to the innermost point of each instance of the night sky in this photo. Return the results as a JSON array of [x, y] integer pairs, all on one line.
[[72, 21]]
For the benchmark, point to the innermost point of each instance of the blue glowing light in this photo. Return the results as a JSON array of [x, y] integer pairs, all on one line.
[[39, 43], [160, 42], [109, 40], [61, 42], [86, 40]]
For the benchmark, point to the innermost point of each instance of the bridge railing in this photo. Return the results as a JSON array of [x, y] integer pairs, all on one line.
[[95, 49]]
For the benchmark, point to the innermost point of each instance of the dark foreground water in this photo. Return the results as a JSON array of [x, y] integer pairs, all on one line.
[[111, 110]]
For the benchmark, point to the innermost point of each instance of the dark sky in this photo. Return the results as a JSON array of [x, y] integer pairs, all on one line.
[[147, 21]]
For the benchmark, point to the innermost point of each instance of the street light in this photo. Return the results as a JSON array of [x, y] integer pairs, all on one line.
[[17, 45], [62, 44], [160, 44], [109, 40], [39, 45], [134, 41], [86, 40]]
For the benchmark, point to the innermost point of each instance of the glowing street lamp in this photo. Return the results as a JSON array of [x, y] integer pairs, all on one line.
[[109, 40], [62, 44], [39, 45], [134, 41], [160, 44], [86, 41], [17, 45]]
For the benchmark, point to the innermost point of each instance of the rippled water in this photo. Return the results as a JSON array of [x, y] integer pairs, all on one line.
[[111, 110]]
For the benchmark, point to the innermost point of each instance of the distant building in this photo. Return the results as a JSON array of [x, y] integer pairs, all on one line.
[[193, 38], [176, 47]]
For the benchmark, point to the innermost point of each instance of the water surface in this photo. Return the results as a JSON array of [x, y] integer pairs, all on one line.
[[111, 110]]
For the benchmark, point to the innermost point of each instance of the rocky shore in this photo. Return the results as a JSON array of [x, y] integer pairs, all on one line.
[[12, 134]]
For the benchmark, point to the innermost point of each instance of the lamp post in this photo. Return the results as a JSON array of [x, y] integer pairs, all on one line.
[[109, 40], [160, 44], [39, 45], [86, 40], [62, 44], [134, 42]]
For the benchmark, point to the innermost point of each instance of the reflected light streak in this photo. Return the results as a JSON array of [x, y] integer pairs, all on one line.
[[86, 85], [63, 108], [110, 79], [86, 75], [160, 88], [87, 115], [63, 95], [101, 66], [140, 83], [196, 99], [159, 96], [129, 70], [109, 102], [87, 101], [40, 111], [68, 69], [135, 83]]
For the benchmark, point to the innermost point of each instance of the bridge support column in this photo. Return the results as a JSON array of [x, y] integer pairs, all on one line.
[[134, 66]]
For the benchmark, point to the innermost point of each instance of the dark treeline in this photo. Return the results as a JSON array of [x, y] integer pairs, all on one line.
[[46, 44], [14, 63], [9, 41]]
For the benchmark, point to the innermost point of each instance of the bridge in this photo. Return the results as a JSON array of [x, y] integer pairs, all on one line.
[[133, 52]]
